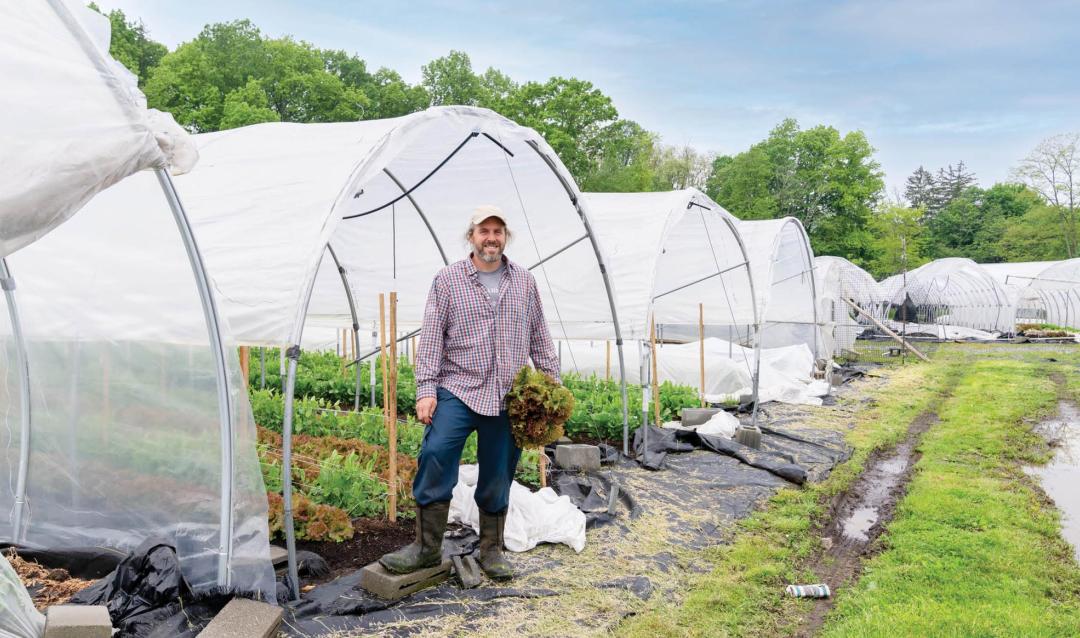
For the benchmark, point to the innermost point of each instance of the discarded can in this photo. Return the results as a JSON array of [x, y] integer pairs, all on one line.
[[808, 591]]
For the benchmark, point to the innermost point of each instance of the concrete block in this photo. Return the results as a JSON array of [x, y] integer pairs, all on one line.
[[77, 621], [748, 436], [243, 618], [278, 556], [376, 580], [578, 456], [697, 416]]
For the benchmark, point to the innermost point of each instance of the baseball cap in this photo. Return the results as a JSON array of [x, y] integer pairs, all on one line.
[[487, 211]]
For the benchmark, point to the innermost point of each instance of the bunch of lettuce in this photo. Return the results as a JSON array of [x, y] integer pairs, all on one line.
[[538, 406]]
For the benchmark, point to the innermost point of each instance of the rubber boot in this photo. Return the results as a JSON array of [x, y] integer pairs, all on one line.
[[426, 550], [491, 557]]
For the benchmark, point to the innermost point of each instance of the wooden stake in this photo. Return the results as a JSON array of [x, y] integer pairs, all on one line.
[[412, 350], [607, 362], [655, 376], [701, 341], [392, 406], [892, 334], [542, 463], [245, 363]]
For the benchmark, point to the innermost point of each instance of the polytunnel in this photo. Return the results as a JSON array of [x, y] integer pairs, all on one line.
[[840, 284], [123, 418], [305, 224], [675, 257], [946, 297], [1042, 291], [782, 264]]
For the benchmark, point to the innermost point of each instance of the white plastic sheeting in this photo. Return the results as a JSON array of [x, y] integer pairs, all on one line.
[[18, 617], [126, 439], [838, 280], [952, 291], [782, 265], [1042, 291], [73, 122], [532, 517]]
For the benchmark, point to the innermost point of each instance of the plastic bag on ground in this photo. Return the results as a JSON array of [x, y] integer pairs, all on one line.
[[532, 518], [18, 618], [721, 424]]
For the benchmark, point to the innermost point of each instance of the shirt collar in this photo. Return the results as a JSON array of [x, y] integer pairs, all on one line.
[[471, 270]]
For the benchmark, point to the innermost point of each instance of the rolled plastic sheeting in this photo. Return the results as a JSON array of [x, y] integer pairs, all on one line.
[[18, 617]]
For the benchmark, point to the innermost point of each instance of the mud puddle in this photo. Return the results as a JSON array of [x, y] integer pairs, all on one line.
[[1061, 476]]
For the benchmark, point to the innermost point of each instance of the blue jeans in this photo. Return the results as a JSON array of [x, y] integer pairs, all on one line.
[[440, 455]]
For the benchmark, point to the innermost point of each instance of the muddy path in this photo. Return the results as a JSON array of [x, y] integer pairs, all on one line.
[[857, 517]]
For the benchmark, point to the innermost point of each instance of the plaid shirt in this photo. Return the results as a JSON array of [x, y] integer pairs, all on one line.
[[474, 348]]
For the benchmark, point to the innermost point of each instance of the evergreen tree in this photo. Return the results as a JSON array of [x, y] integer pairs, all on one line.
[[919, 191]]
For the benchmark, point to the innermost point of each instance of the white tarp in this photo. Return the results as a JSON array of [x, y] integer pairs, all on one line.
[[18, 618], [532, 518], [942, 331], [782, 265], [74, 121]]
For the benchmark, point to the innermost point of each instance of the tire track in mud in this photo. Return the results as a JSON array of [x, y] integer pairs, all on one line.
[[858, 516]]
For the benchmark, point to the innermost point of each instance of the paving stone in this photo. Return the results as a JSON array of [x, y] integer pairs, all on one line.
[[278, 555], [77, 621], [578, 456], [376, 580], [243, 618], [697, 416]]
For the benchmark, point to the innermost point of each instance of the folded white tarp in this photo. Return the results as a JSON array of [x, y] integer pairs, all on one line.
[[942, 331], [533, 517], [74, 121], [18, 618]]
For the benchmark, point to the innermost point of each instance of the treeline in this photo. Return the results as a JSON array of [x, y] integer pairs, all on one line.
[[232, 75]]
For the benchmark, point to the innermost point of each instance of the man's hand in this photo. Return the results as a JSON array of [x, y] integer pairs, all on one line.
[[425, 409]]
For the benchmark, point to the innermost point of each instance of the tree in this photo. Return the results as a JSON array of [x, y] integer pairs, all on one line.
[[1052, 169], [450, 80], [951, 183], [247, 105], [896, 231], [920, 189], [130, 44], [393, 97], [1035, 236], [626, 160]]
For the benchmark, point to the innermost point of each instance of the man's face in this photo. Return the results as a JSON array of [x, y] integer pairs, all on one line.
[[489, 240]]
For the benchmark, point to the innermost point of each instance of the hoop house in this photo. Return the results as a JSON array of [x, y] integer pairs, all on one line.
[[308, 223], [121, 416], [668, 253], [1042, 291], [838, 282], [949, 292], [782, 265]]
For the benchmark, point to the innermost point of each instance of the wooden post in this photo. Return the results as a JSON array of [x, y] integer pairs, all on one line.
[[412, 350], [701, 342], [607, 362], [655, 376], [392, 406], [902, 341], [542, 464], [245, 363]]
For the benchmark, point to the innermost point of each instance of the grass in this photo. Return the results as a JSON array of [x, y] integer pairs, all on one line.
[[743, 595], [974, 549]]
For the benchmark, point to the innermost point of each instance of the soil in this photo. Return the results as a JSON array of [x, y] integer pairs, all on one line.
[[858, 517], [46, 586], [373, 537]]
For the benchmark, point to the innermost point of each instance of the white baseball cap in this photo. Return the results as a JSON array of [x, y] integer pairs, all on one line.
[[487, 211]]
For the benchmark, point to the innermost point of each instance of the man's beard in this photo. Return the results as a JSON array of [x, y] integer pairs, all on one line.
[[484, 256]]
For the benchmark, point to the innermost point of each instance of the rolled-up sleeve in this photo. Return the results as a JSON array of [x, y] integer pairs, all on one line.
[[429, 353], [541, 347]]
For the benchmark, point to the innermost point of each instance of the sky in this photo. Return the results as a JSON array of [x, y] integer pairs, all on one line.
[[930, 83]]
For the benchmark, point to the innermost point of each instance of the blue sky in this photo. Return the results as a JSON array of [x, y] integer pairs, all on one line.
[[930, 83]]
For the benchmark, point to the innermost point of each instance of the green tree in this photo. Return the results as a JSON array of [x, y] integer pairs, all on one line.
[[972, 224], [1037, 235], [626, 160], [1052, 169], [896, 230], [247, 105], [450, 80], [920, 189], [130, 44]]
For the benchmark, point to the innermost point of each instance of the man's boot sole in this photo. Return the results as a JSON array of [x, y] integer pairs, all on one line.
[[411, 569]]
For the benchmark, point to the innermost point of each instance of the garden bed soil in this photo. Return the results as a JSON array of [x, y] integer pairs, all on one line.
[[372, 538], [46, 586]]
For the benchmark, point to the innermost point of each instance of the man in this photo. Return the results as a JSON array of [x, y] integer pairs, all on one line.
[[482, 322]]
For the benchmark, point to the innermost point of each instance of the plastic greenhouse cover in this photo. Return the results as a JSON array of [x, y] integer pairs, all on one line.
[[266, 199], [839, 279], [95, 130], [126, 435], [782, 265], [669, 252], [953, 291]]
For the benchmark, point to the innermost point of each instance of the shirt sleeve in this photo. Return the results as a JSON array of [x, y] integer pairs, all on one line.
[[429, 352], [541, 347]]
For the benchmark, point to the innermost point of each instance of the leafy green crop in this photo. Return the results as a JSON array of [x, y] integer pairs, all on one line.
[[538, 407]]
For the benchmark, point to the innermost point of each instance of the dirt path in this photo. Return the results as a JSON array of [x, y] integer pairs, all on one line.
[[858, 517]]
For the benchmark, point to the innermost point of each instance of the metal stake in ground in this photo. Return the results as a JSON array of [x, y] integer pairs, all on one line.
[[701, 348], [391, 404], [655, 376]]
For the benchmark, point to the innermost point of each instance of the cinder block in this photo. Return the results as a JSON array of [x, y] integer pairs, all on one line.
[[243, 618], [578, 456], [697, 416], [278, 555], [376, 580], [78, 621]]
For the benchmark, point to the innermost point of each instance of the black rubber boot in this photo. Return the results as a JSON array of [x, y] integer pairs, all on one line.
[[426, 550], [491, 557]]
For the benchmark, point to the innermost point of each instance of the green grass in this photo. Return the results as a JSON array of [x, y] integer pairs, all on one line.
[[973, 550], [743, 595]]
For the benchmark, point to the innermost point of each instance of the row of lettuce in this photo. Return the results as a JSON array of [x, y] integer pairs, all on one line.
[[340, 467]]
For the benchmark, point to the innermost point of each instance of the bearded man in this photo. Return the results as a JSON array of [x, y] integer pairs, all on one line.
[[482, 322]]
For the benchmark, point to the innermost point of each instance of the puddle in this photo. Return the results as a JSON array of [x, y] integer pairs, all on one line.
[[881, 479], [1061, 476]]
